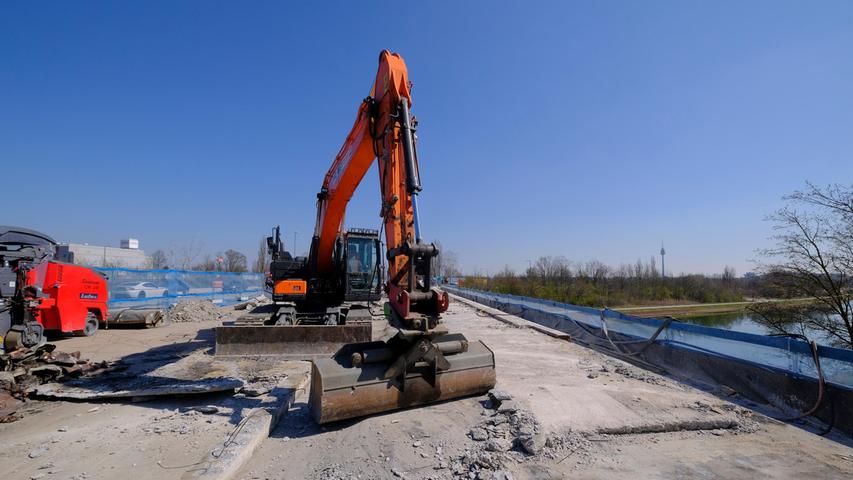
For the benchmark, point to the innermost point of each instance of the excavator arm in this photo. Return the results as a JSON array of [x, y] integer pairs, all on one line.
[[384, 130], [422, 363]]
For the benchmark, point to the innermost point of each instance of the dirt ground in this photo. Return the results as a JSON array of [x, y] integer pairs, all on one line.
[[154, 439], [588, 412], [574, 413]]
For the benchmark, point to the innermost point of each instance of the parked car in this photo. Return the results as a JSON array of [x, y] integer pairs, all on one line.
[[138, 290]]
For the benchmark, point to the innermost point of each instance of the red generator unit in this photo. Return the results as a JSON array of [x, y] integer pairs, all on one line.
[[72, 299], [39, 294]]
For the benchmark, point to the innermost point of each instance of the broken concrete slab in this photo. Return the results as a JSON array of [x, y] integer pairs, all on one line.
[[479, 434], [497, 396], [147, 378], [152, 387], [507, 406], [531, 444]]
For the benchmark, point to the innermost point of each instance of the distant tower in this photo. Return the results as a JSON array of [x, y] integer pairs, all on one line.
[[662, 268]]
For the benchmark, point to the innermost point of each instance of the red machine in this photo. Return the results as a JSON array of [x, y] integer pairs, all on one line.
[[73, 298], [38, 294]]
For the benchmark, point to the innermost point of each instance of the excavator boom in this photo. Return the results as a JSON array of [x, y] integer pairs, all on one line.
[[383, 130], [423, 363]]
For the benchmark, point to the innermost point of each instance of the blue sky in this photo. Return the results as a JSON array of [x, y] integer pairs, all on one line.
[[583, 129]]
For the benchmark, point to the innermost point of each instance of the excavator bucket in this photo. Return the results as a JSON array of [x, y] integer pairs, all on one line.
[[342, 388]]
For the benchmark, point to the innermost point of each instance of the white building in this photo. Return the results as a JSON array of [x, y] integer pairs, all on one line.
[[128, 256]]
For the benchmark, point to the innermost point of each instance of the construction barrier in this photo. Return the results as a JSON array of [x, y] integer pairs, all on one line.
[[786, 372], [144, 289]]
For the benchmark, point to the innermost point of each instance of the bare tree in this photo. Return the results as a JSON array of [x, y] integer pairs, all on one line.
[[438, 260], [449, 264], [595, 271], [260, 265], [159, 260], [728, 276], [813, 257], [446, 263], [234, 261], [552, 268], [207, 264], [188, 254]]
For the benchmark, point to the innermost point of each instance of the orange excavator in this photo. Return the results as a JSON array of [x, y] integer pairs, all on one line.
[[422, 362]]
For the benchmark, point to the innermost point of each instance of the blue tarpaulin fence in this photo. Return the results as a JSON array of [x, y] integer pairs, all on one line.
[[138, 289], [782, 353]]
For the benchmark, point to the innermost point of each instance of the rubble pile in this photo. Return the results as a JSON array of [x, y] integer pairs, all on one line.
[[251, 304], [25, 368], [195, 311], [509, 436]]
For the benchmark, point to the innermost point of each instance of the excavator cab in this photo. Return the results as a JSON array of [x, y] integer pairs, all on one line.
[[362, 269]]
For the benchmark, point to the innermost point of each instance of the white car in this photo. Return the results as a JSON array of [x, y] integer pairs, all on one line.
[[138, 290]]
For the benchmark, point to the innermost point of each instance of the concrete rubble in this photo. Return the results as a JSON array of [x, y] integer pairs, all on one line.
[[195, 310], [251, 304], [24, 370]]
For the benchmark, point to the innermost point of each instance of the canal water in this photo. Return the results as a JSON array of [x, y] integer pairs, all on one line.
[[745, 322]]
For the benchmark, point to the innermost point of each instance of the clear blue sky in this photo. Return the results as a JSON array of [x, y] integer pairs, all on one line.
[[583, 129]]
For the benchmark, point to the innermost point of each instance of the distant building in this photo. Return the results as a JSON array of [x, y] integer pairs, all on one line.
[[128, 256]]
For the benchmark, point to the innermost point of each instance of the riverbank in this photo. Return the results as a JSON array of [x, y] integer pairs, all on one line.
[[698, 309]]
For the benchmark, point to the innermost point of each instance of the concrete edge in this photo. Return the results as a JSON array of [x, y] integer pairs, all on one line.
[[224, 462], [512, 319]]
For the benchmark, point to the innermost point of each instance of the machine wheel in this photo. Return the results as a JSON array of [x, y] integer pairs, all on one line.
[[165, 293], [141, 295], [32, 336], [90, 328], [12, 341]]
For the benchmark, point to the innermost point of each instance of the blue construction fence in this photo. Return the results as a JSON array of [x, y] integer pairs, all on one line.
[[138, 289], [784, 354]]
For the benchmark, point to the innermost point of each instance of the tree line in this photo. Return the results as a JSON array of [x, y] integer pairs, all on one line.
[[190, 258], [593, 283]]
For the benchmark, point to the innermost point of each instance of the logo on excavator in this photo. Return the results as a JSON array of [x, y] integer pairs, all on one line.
[[341, 166]]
